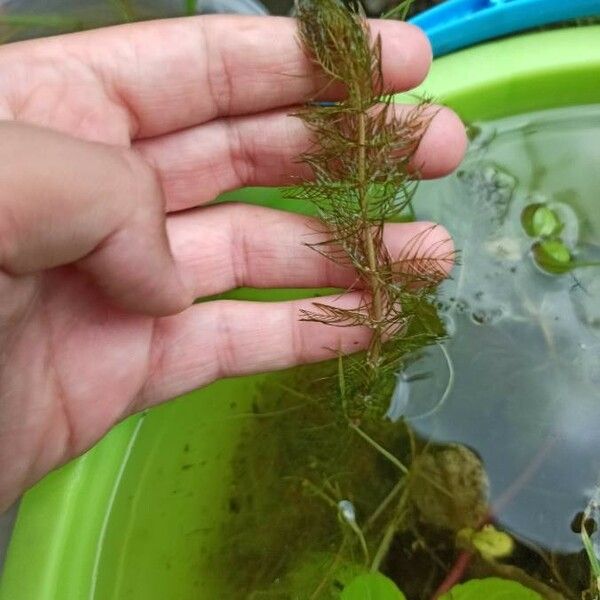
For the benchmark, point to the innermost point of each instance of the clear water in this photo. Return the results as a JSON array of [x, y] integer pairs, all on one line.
[[525, 346]]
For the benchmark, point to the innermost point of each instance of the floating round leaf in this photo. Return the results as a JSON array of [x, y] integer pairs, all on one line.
[[539, 220], [488, 541], [553, 256]]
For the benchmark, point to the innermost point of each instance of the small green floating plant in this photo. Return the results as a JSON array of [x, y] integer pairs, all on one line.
[[550, 251]]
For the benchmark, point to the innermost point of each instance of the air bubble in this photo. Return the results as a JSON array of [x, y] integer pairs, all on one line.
[[400, 398], [486, 317], [347, 511], [460, 305], [493, 185]]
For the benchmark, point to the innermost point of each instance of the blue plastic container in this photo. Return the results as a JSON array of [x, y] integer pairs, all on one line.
[[457, 24]]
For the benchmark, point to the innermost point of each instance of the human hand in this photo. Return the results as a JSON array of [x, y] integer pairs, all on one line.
[[111, 143]]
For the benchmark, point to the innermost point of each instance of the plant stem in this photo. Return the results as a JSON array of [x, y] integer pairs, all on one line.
[[384, 547], [379, 448], [384, 504], [528, 472], [398, 12], [336, 561], [317, 491], [554, 567], [455, 575], [591, 554], [362, 540], [375, 288], [506, 571], [390, 532]]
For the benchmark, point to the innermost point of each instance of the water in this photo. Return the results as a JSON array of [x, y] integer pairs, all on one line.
[[525, 345], [503, 417]]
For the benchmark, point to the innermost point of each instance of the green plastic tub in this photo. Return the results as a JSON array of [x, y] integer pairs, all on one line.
[[136, 516]]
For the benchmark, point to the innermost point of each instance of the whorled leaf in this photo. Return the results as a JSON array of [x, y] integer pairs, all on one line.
[[361, 177]]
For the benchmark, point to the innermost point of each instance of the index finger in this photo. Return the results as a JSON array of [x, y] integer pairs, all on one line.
[[173, 74]]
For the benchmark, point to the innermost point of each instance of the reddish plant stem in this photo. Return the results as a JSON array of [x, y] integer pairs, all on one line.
[[375, 289], [455, 575]]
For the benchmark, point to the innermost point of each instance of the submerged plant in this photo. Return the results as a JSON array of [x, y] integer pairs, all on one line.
[[360, 481], [331, 499], [361, 167]]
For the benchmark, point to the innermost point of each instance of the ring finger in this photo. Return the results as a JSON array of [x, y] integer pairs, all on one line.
[[228, 246]]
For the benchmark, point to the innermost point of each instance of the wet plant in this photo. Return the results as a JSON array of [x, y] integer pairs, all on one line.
[[550, 252], [360, 162]]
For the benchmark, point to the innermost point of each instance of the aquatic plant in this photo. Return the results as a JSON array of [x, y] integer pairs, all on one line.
[[349, 496], [358, 482], [362, 179], [550, 252], [361, 488]]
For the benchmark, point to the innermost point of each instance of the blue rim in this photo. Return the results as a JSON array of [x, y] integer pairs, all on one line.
[[456, 24]]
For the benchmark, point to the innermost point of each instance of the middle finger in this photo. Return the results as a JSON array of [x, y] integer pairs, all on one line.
[[198, 164]]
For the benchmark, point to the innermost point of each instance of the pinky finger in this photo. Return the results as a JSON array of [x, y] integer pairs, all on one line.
[[231, 338]]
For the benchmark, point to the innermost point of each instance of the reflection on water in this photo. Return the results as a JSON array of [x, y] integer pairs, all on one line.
[[525, 345]]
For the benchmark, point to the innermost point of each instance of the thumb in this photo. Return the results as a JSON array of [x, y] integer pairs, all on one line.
[[68, 201]]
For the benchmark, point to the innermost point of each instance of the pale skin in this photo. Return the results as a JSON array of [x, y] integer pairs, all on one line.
[[111, 144]]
